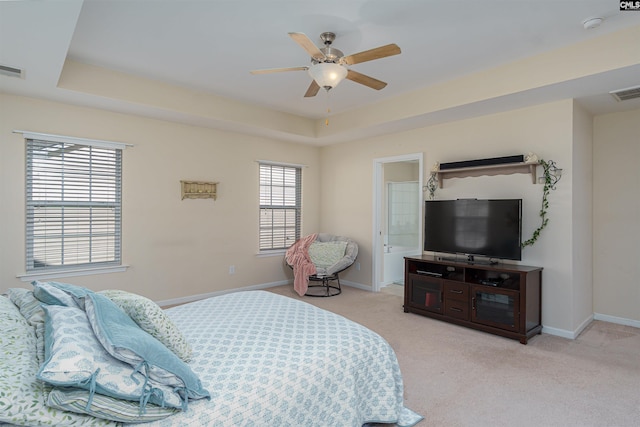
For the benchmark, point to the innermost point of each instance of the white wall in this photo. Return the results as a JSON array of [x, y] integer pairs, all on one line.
[[616, 214], [175, 248]]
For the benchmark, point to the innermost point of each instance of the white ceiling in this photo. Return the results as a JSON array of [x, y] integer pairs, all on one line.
[[212, 45]]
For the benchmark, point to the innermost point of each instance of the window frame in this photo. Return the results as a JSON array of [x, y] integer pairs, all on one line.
[[88, 201], [275, 239]]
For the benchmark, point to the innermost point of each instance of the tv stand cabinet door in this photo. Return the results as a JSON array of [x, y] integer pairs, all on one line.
[[495, 307], [425, 293]]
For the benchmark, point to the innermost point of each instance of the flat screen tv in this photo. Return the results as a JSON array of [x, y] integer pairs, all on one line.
[[487, 228]]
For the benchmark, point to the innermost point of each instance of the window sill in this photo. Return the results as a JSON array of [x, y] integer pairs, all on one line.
[[276, 252], [55, 274]]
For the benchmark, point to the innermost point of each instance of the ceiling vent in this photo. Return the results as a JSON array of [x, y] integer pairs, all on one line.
[[11, 71], [626, 94]]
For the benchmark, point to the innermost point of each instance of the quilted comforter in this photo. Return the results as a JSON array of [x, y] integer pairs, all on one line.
[[269, 360], [263, 359]]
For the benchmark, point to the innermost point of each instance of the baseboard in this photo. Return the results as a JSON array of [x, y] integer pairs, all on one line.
[[197, 297], [583, 325], [617, 320], [355, 285], [572, 335], [564, 333]]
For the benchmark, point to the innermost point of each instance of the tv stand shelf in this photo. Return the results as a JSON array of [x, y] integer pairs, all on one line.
[[503, 299], [501, 169]]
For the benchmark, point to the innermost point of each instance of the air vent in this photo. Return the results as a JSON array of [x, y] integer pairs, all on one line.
[[11, 71], [626, 94]]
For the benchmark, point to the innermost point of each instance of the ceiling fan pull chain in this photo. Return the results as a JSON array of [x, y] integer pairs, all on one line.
[[326, 120]]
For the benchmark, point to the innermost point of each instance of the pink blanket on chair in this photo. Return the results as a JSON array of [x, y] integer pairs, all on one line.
[[297, 256]]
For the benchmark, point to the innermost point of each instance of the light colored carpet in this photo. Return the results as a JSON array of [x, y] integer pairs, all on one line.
[[394, 289], [455, 376]]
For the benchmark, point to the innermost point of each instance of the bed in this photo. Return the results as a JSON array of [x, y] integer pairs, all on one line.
[[251, 358]]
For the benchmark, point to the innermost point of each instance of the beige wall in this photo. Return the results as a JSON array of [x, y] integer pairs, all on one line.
[[180, 248], [547, 130], [616, 213], [580, 173], [175, 248]]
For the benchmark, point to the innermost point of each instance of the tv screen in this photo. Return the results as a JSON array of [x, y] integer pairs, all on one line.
[[489, 228]]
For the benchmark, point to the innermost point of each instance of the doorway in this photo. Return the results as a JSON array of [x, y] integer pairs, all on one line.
[[397, 224]]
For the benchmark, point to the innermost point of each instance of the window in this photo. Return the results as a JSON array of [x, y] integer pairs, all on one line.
[[73, 217], [280, 205]]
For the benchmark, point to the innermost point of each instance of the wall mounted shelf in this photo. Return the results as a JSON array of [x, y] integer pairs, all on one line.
[[199, 190], [490, 170]]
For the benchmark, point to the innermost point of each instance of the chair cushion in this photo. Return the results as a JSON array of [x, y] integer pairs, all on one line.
[[349, 256], [325, 254]]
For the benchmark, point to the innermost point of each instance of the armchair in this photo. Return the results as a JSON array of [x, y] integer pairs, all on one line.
[[330, 255]]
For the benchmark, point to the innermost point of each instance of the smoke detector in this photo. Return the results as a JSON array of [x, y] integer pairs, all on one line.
[[592, 23]]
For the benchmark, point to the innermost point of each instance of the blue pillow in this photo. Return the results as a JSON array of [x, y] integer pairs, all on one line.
[[75, 358], [126, 341], [56, 293]]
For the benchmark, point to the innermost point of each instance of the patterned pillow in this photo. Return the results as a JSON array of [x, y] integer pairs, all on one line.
[[74, 400], [153, 320], [124, 340], [22, 396], [28, 304], [325, 254], [76, 358], [31, 309]]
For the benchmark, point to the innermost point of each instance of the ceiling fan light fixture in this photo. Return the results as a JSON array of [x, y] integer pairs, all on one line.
[[327, 74]]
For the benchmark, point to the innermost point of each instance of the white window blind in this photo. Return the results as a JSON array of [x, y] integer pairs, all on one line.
[[280, 205], [73, 200]]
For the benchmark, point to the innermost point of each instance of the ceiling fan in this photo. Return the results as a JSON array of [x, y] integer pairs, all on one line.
[[329, 65]]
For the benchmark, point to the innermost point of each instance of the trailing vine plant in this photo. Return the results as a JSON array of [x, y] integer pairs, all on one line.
[[551, 176]]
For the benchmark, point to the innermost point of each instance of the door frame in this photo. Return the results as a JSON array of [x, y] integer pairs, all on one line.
[[378, 205]]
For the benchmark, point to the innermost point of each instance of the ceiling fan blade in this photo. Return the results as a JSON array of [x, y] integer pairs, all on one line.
[[278, 70], [312, 90], [369, 55], [365, 80], [306, 43]]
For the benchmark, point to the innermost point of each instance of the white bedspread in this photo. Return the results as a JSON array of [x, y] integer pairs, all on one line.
[[270, 360]]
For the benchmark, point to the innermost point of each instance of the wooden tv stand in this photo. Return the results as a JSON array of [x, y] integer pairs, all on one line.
[[502, 299]]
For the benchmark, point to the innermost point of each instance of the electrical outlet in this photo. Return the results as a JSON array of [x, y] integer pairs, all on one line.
[[358, 266], [232, 269]]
